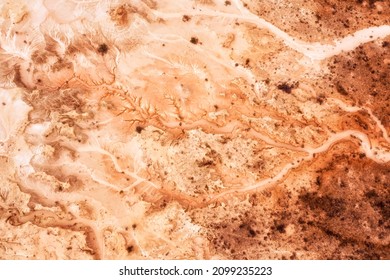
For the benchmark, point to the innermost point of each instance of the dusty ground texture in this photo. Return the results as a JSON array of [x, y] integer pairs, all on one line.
[[195, 129]]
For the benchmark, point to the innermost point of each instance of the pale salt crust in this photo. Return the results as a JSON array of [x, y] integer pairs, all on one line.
[[191, 130]]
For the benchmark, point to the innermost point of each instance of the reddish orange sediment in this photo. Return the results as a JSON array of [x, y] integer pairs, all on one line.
[[131, 131]]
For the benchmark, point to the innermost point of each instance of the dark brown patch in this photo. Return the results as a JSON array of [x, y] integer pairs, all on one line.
[[281, 228], [186, 18], [286, 87], [194, 40], [130, 249], [103, 48], [205, 163], [331, 206], [139, 129], [340, 89]]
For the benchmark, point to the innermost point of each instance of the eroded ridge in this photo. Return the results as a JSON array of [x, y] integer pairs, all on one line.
[[194, 130]]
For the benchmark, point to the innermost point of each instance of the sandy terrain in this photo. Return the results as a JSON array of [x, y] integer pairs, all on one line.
[[195, 129]]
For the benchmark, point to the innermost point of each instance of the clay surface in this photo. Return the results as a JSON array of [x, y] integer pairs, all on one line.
[[145, 129]]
